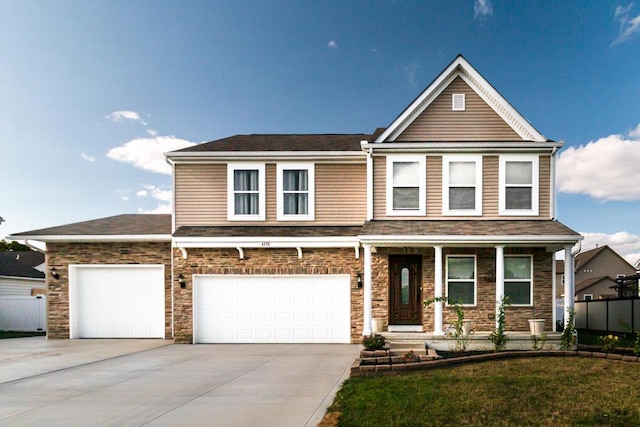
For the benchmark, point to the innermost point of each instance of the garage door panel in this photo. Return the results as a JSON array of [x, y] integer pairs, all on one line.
[[117, 301], [248, 308]]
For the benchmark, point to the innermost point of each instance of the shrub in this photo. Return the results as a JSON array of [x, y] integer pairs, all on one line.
[[608, 342], [374, 342]]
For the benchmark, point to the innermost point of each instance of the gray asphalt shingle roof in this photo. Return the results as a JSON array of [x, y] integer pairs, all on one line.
[[127, 224], [20, 264]]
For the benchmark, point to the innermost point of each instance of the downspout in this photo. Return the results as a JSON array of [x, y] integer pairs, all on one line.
[[552, 199], [369, 181], [173, 229]]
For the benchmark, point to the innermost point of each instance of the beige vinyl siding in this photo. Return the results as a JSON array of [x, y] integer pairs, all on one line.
[[490, 185], [490, 189], [201, 195], [478, 122], [434, 186]]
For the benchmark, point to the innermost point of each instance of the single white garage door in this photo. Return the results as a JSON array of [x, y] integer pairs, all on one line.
[[116, 301], [272, 309]]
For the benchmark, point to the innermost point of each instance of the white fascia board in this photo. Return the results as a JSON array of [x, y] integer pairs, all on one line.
[[266, 242], [97, 238], [430, 240], [472, 147], [261, 155], [429, 91]]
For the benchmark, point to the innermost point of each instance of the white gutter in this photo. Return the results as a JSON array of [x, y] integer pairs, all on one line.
[[552, 198], [463, 147], [445, 239], [97, 238], [264, 154]]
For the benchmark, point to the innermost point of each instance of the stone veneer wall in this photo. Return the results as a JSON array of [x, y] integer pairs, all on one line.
[[60, 255], [517, 318], [263, 261]]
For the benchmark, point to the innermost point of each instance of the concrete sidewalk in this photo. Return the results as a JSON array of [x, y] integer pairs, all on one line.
[[213, 385]]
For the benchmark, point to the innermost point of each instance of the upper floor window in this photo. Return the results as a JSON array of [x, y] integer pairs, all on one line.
[[245, 192], [406, 185], [461, 279], [518, 185], [462, 185], [518, 282], [296, 196]]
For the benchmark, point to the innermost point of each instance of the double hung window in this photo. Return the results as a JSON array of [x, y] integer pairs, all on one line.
[[462, 185], [461, 279], [245, 192], [406, 182], [518, 283], [518, 185], [295, 184]]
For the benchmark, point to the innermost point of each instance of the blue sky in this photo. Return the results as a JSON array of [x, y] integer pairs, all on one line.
[[93, 92]]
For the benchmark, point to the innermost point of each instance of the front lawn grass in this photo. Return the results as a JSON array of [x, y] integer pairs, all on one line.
[[536, 391]]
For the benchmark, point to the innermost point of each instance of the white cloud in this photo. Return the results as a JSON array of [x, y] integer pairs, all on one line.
[[624, 243], [164, 198], [606, 169], [152, 132], [88, 157], [332, 44], [118, 116], [629, 25], [482, 9], [125, 198], [148, 153]]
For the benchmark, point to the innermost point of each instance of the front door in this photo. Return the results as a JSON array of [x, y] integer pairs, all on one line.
[[405, 305]]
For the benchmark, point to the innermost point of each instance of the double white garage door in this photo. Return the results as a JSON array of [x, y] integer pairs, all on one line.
[[272, 309], [127, 301]]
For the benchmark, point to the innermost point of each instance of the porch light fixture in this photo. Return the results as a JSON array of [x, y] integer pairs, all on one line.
[[359, 280], [181, 280], [54, 273]]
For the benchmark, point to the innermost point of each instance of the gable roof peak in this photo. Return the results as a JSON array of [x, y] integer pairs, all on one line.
[[460, 67]]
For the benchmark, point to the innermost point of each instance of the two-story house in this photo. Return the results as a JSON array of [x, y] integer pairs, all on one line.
[[596, 271], [306, 238]]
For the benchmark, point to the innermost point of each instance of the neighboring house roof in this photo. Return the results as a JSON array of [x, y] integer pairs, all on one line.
[[517, 228], [267, 231], [21, 264], [460, 67], [284, 142], [584, 258], [585, 284], [127, 227]]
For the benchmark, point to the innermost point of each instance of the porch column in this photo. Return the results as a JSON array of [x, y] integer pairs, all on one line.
[[569, 283], [437, 308], [499, 278], [366, 327]]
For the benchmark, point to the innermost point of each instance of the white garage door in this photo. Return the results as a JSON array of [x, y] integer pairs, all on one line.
[[116, 301], [272, 309]]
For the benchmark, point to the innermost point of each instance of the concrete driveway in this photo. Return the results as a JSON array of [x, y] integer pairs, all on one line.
[[156, 383]]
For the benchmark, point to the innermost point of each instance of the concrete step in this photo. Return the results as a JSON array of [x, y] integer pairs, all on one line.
[[400, 348]]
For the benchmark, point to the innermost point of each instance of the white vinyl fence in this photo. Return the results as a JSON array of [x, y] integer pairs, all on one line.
[[23, 313]]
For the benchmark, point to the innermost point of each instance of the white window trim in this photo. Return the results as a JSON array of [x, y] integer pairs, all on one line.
[[522, 280], [231, 168], [475, 279], [422, 184], [453, 102], [535, 171], [584, 297], [446, 160], [310, 168]]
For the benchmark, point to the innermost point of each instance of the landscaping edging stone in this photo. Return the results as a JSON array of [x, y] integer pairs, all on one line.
[[373, 366]]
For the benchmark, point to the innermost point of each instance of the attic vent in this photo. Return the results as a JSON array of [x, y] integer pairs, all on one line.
[[457, 102]]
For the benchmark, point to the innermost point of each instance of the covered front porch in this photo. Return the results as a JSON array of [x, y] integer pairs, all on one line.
[[406, 263]]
